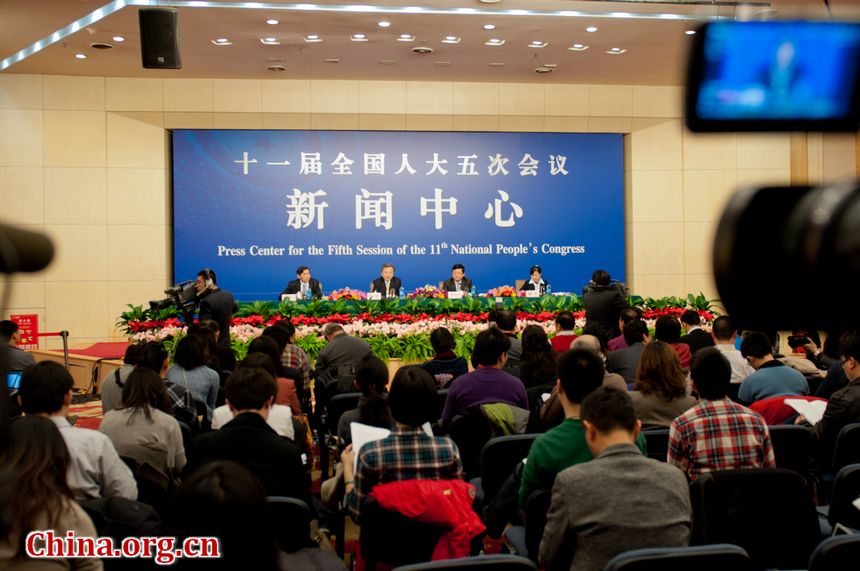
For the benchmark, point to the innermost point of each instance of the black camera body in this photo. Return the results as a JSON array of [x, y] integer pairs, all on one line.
[[183, 296]]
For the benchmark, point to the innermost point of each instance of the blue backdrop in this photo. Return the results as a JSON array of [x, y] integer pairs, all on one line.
[[254, 205]]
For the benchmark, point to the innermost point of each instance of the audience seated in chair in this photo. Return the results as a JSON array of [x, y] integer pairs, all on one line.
[[626, 361], [660, 389], [580, 372], [488, 383], [96, 469], [249, 441], [407, 453], [694, 336], [725, 335], [35, 495], [294, 357], [280, 416], [190, 371], [565, 324], [551, 413], [445, 366], [506, 321], [537, 364], [628, 314], [771, 378], [717, 434], [335, 364], [143, 430], [285, 379], [153, 356], [668, 329], [639, 502], [371, 379], [110, 389]]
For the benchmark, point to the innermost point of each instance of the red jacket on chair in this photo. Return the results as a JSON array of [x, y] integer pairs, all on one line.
[[442, 503]]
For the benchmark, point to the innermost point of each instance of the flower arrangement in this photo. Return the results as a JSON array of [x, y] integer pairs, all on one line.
[[505, 291], [427, 291], [347, 294]]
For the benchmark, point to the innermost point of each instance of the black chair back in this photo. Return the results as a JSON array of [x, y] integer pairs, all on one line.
[[657, 443], [394, 539], [840, 553], [499, 457], [767, 511], [846, 489], [792, 446], [847, 450], [537, 508], [496, 562], [338, 405], [470, 431], [291, 521], [719, 557], [441, 397], [329, 415]]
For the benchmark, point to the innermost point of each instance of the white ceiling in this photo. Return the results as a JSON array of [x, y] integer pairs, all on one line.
[[655, 55]]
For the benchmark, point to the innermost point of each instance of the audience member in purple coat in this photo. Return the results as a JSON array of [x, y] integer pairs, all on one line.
[[488, 383]]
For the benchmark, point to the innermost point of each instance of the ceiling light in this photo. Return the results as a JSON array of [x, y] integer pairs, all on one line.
[[118, 39], [312, 39], [441, 63], [489, 26], [270, 41], [690, 32], [451, 40], [543, 70], [538, 44], [277, 68], [616, 51], [101, 45], [222, 42], [578, 48], [494, 42], [384, 24], [81, 56], [550, 65], [591, 29], [406, 38], [387, 61], [272, 22], [497, 64], [489, 1], [332, 60], [518, 12], [358, 38]]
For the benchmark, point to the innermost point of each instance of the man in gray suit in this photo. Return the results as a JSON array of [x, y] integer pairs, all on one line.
[[619, 501], [335, 364], [626, 361]]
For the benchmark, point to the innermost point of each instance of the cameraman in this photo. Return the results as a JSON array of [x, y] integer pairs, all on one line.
[[603, 302], [215, 303]]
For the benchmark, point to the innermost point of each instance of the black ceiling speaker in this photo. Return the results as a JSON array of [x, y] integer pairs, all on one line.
[[159, 38]]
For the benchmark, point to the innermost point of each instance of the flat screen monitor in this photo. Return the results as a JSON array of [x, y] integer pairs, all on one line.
[[13, 380], [774, 76]]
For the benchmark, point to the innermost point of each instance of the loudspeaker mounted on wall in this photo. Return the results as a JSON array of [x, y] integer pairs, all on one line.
[[159, 38]]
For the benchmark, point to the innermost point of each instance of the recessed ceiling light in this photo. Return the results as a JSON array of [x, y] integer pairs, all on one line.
[[537, 44], [332, 60], [497, 64], [489, 1], [358, 38], [222, 42], [690, 32], [518, 12], [81, 56], [615, 51], [543, 70], [277, 68], [118, 39], [272, 22], [384, 24], [405, 38], [494, 42], [591, 29], [441, 63], [451, 40], [489, 26], [578, 48], [270, 41], [387, 61], [550, 65], [313, 38]]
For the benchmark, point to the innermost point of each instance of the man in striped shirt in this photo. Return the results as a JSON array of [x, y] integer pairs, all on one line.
[[717, 433]]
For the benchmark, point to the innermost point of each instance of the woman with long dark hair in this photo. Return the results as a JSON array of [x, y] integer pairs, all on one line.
[[35, 495], [537, 364], [371, 378], [660, 388], [190, 371], [143, 424]]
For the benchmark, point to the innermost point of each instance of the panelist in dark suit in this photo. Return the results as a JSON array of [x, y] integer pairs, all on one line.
[[458, 280], [536, 282], [387, 284], [305, 286], [215, 303]]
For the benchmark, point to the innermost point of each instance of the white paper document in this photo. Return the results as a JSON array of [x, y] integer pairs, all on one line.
[[812, 410]]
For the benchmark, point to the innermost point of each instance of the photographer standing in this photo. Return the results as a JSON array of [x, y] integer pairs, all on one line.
[[603, 302], [215, 303]]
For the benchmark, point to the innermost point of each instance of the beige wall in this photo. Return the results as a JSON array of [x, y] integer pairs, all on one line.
[[86, 160]]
